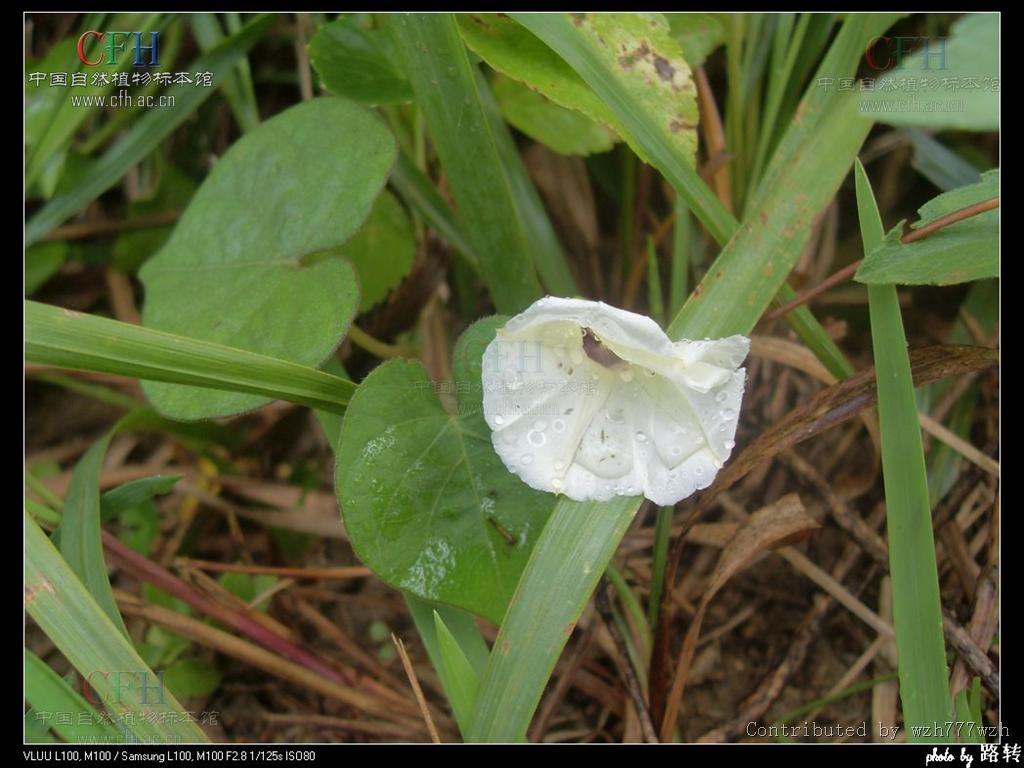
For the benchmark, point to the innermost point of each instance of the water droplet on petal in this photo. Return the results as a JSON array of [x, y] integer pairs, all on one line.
[[556, 484], [698, 471], [626, 374], [536, 438], [728, 414], [721, 396], [729, 445], [499, 420], [526, 458], [540, 425], [641, 437], [616, 416], [558, 425]]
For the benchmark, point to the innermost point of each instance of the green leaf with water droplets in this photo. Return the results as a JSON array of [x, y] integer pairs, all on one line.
[[250, 263], [427, 503]]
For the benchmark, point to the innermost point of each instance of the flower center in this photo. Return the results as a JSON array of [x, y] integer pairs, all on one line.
[[597, 351]]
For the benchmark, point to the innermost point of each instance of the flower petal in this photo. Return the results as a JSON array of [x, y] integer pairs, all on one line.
[[592, 401]]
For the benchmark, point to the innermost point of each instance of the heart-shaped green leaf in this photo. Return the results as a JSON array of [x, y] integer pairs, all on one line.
[[245, 267], [382, 251], [427, 503], [947, 83], [357, 63]]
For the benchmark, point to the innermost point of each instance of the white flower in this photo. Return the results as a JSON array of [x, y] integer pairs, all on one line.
[[591, 401]]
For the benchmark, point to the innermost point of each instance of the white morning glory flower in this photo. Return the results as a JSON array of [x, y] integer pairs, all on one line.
[[591, 401]]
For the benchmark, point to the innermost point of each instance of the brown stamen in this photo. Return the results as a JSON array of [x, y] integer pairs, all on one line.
[[597, 351]]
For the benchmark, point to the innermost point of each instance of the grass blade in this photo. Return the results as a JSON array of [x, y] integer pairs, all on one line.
[[238, 87], [148, 131], [62, 607], [421, 195], [80, 535], [47, 692], [558, 32], [548, 257], [458, 653], [444, 83], [65, 339], [682, 253], [733, 294], [917, 609], [460, 679], [573, 551]]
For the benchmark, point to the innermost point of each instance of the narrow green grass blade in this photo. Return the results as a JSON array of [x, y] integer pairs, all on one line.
[[238, 85], [80, 534], [548, 256], [461, 681], [62, 607], [59, 337], [460, 667], [659, 559], [559, 33], [461, 624], [679, 280], [147, 132], [572, 552], [444, 84], [421, 195], [42, 512], [636, 612], [739, 285], [47, 692], [916, 605], [968, 714], [654, 300]]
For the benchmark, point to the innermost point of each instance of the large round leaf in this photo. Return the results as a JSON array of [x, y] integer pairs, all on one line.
[[427, 503], [237, 269]]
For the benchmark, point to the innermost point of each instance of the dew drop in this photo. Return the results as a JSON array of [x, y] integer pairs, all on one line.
[[540, 425], [536, 438], [698, 471], [558, 425], [728, 414], [616, 416], [499, 420], [729, 445], [526, 458], [556, 484], [626, 374], [641, 437], [721, 396]]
